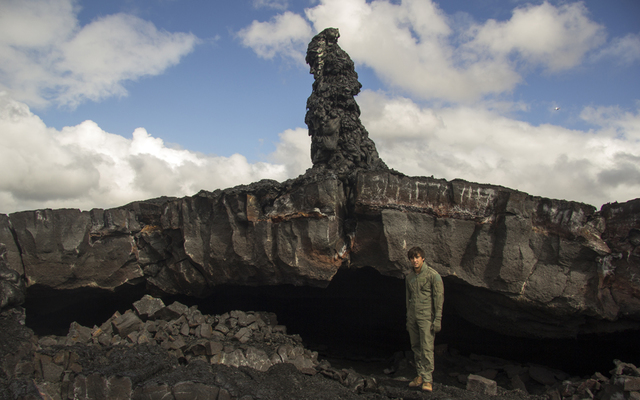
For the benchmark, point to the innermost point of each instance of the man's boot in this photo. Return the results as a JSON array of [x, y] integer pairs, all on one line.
[[417, 381], [427, 387]]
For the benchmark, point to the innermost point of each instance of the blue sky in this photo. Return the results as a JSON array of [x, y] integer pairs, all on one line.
[[103, 103]]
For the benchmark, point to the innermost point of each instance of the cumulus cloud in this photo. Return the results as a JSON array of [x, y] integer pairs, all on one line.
[[413, 45], [293, 151], [84, 167], [596, 167], [286, 35], [47, 57], [555, 37]]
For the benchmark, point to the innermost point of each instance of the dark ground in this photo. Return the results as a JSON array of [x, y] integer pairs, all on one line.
[[146, 364]]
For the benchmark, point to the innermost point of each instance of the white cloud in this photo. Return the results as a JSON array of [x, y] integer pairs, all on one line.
[[416, 47], [293, 151], [556, 37], [46, 57], [625, 49], [614, 121], [286, 34], [275, 4], [479, 145], [84, 167]]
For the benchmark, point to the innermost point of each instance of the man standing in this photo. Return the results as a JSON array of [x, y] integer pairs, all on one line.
[[425, 295]]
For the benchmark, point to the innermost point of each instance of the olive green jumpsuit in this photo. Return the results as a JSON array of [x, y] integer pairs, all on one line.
[[425, 296]]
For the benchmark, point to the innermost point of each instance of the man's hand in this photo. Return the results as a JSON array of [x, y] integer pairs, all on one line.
[[436, 326]]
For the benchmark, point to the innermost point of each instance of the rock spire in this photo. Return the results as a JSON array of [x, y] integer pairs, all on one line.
[[339, 141]]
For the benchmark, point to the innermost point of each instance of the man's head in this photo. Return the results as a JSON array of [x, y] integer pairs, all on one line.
[[416, 258], [415, 252]]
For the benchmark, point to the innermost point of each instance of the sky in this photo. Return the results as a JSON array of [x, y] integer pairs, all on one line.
[[107, 102]]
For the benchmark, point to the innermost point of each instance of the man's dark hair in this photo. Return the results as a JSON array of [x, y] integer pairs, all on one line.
[[415, 252]]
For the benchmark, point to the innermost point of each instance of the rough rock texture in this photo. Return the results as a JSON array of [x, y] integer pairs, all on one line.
[[514, 263], [179, 353], [12, 287], [339, 141]]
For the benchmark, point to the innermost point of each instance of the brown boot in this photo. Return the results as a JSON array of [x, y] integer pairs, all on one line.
[[417, 381], [427, 387]]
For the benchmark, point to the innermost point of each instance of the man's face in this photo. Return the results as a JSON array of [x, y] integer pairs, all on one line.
[[416, 263]]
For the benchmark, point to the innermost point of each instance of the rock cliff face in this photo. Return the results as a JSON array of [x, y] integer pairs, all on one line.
[[514, 263]]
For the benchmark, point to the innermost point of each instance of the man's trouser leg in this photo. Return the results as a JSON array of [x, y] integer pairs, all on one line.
[[422, 345]]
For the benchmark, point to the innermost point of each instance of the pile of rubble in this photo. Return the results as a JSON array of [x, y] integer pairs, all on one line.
[[237, 338], [623, 384], [130, 355]]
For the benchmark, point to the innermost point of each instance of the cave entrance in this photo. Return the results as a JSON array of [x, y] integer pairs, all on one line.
[[360, 315]]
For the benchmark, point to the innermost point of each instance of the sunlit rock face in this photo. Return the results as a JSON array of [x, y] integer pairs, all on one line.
[[514, 263]]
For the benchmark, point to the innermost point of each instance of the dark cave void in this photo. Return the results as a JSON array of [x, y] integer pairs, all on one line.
[[359, 316]]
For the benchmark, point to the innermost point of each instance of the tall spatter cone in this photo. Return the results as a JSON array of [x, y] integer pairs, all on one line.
[[339, 141]]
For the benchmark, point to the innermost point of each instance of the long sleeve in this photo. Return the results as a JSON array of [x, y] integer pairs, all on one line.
[[407, 294], [438, 297]]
